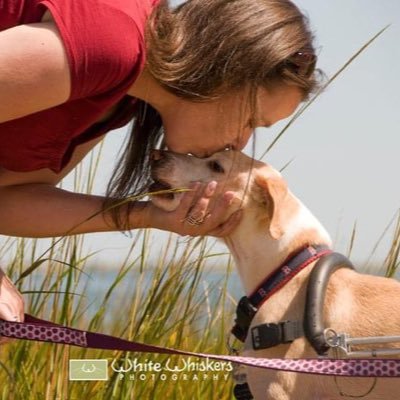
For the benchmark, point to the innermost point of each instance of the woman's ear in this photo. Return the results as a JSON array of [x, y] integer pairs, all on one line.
[[275, 191]]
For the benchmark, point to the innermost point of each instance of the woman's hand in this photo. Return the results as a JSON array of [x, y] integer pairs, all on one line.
[[193, 217], [11, 302]]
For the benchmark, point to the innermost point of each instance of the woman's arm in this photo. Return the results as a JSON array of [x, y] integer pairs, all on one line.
[[43, 210], [31, 205], [34, 70]]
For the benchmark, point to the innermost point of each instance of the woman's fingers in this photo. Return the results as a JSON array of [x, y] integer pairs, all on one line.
[[189, 197], [202, 214], [11, 302], [224, 228], [6, 313], [202, 211], [195, 206], [227, 227]]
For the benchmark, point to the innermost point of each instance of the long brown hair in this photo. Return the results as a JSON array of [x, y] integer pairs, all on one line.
[[203, 49]]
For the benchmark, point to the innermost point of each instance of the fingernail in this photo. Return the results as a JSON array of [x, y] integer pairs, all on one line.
[[212, 186], [210, 189], [228, 197]]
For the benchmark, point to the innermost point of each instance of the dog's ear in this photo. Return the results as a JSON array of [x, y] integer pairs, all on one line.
[[274, 190]]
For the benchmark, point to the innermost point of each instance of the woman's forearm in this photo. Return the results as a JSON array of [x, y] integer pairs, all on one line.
[[42, 210]]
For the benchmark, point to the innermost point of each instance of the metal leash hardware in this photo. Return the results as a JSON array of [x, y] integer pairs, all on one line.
[[241, 389], [341, 392], [238, 371], [344, 342]]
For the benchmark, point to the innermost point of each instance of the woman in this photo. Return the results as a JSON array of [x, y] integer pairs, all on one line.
[[207, 72]]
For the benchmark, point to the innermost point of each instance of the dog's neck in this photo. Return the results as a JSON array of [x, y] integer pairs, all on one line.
[[257, 253]]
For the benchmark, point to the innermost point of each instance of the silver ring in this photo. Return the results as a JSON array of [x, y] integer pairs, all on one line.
[[194, 221], [16, 318]]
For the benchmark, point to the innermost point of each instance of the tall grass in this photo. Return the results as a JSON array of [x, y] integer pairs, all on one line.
[[171, 302], [167, 305]]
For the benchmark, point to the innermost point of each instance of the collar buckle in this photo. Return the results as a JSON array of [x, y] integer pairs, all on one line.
[[245, 313]]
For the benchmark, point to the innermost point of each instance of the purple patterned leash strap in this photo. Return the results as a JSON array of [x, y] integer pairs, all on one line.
[[45, 331]]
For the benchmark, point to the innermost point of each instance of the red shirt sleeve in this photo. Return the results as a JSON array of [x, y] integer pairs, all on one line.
[[104, 41], [95, 35], [10, 13]]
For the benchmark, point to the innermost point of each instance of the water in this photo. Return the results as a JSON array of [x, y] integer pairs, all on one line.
[[95, 285]]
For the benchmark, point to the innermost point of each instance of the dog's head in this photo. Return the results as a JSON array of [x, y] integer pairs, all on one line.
[[259, 189]]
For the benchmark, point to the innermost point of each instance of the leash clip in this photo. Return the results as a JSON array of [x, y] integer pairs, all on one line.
[[245, 313], [241, 389], [344, 342]]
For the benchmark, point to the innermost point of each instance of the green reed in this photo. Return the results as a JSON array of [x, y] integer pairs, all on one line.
[[167, 304]]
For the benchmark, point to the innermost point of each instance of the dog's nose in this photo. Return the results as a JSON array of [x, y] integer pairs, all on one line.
[[157, 155]]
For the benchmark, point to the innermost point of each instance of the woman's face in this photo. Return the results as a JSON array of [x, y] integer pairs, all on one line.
[[205, 128]]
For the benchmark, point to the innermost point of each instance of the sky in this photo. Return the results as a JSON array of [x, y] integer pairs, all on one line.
[[346, 146], [345, 149]]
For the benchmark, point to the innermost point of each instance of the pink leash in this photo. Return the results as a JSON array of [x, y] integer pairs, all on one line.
[[45, 331]]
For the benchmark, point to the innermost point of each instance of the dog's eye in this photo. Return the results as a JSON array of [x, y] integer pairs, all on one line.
[[215, 166]]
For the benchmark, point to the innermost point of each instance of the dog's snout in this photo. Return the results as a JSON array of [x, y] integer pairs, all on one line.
[[159, 158], [157, 155], [160, 163]]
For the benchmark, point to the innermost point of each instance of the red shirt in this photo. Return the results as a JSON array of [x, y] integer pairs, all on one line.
[[104, 41]]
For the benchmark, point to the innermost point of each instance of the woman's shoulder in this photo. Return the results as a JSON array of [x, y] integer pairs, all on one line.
[[103, 39], [137, 10], [114, 21]]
